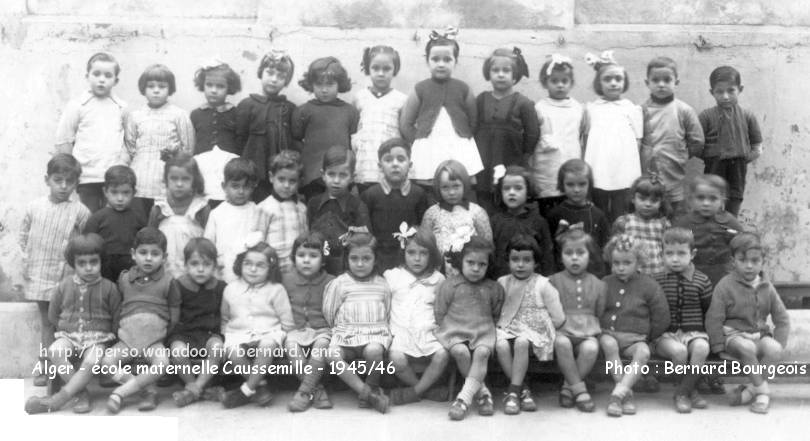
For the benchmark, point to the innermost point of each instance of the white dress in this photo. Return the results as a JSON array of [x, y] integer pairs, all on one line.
[[412, 318], [612, 148], [379, 122], [178, 229], [560, 124], [229, 227], [441, 144]]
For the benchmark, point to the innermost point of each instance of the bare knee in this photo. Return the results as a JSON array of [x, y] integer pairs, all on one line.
[[589, 348], [563, 343], [481, 354], [373, 352], [521, 344], [441, 356], [399, 359], [770, 350], [608, 344], [460, 352], [502, 347], [699, 348], [641, 353]]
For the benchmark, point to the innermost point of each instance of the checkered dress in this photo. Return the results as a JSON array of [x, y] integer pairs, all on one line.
[[286, 221], [379, 122], [649, 232]]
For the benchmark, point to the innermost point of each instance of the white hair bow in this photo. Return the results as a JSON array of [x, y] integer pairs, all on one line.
[[212, 63], [459, 237], [252, 239], [557, 60], [605, 57], [450, 33], [404, 234]]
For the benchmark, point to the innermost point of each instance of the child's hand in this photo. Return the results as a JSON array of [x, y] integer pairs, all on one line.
[[753, 156]]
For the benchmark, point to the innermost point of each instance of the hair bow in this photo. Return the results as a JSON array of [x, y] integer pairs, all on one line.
[[558, 60], [212, 63], [276, 55], [498, 172], [564, 227], [625, 242], [404, 234], [351, 231], [605, 57], [450, 33], [459, 237], [326, 250], [654, 178], [252, 239]]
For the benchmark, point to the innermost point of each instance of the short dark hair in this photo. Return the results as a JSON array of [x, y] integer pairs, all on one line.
[[455, 170], [425, 238], [104, 57], [514, 170], [241, 168], [82, 245], [475, 244], [370, 52], [575, 235], [745, 242], [120, 175], [442, 41], [64, 163], [564, 67], [283, 64], [597, 83], [201, 246], [339, 155], [231, 77], [725, 73], [157, 72], [389, 145], [649, 187], [150, 236], [185, 161], [524, 242], [286, 159], [662, 63], [710, 180], [519, 67], [313, 240], [678, 235], [575, 167], [273, 274], [326, 69]]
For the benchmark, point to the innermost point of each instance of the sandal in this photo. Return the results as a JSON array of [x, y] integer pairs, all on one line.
[[114, 403], [183, 398], [149, 401], [321, 399], [83, 403], [566, 398], [458, 410], [739, 398], [300, 402], [585, 403], [761, 405], [628, 406], [614, 407], [36, 405]]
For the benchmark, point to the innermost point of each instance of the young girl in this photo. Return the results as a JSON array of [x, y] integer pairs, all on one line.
[[198, 330], [323, 121], [636, 312], [413, 285], [183, 212], [647, 221], [308, 341], [612, 131], [380, 107], [574, 180], [516, 216], [154, 132], [531, 312], [466, 308], [439, 117], [256, 316], [357, 306], [507, 128], [264, 120], [583, 299], [560, 123], [454, 217]]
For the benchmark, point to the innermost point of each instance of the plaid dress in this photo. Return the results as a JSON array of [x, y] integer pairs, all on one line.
[[649, 232], [286, 220]]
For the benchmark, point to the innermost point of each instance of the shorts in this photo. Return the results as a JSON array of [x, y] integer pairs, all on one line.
[[80, 341], [733, 170], [626, 339], [732, 333], [682, 337]]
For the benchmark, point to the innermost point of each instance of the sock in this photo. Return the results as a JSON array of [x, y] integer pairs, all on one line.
[[246, 390], [620, 390], [471, 386], [513, 388]]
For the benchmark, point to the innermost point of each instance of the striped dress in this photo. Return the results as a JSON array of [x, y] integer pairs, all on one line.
[[650, 233], [358, 310], [47, 227]]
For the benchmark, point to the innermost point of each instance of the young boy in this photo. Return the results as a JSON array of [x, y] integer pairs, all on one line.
[[393, 201], [82, 310], [689, 293], [737, 320], [230, 224], [92, 128], [733, 138], [287, 214], [150, 307], [118, 222], [672, 131]]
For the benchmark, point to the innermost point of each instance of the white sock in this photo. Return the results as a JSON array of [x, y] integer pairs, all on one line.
[[246, 390]]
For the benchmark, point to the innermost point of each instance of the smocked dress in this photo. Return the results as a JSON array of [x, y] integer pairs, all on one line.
[[412, 318]]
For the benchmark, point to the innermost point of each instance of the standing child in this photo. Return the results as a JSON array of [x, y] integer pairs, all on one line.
[[83, 310], [323, 121], [380, 107], [560, 119], [466, 308], [646, 221], [393, 201], [264, 120], [737, 320], [48, 224], [197, 330], [733, 138], [154, 132], [92, 128], [357, 305], [232, 222], [530, 315], [583, 299], [332, 212], [612, 131], [256, 316], [672, 132], [118, 222], [689, 293], [440, 115], [636, 313], [507, 128], [414, 285]]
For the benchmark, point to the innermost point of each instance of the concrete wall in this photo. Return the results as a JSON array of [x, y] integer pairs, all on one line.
[[44, 45]]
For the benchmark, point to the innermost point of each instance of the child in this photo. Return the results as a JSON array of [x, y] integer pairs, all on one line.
[[689, 293], [394, 200], [413, 285], [256, 316], [83, 309], [150, 307], [264, 120], [332, 212], [323, 121], [636, 312], [197, 330], [516, 216], [466, 308], [48, 225], [612, 131], [379, 107], [286, 213], [308, 342], [560, 119], [154, 132], [575, 180], [440, 115], [672, 131], [583, 299], [507, 128], [183, 212], [118, 222], [531, 312], [92, 128], [357, 305], [733, 138], [737, 320], [646, 221], [230, 224]]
